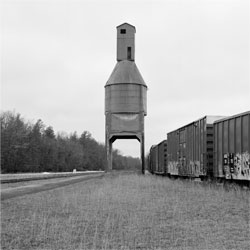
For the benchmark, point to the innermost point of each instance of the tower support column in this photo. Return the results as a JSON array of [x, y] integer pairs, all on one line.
[[142, 154], [108, 166]]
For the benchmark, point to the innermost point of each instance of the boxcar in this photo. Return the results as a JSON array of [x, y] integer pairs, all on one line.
[[153, 159], [190, 148], [172, 153], [232, 147], [162, 157], [158, 158]]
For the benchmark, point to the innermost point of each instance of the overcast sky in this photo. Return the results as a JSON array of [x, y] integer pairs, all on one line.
[[56, 57]]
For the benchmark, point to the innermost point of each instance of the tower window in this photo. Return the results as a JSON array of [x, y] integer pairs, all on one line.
[[129, 53], [123, 31]]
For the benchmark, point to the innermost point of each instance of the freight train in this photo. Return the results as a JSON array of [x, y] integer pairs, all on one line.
[[212, 147]]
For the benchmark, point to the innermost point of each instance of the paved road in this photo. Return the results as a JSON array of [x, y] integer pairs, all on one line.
[[39, 187]]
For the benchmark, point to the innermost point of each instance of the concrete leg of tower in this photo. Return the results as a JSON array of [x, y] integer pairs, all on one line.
[[109, 155], [142, 154]]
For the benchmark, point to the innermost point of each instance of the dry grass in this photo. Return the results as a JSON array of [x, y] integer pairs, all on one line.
[[128, 212]]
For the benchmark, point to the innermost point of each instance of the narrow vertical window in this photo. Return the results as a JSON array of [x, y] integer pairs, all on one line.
[[129, 55]]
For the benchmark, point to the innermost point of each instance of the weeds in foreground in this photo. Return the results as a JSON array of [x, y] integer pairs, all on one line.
[[128, 212]]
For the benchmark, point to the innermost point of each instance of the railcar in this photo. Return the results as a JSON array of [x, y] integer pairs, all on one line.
[[232, 147], [158, 158], [190, 148], [210, 147], [152, 159]]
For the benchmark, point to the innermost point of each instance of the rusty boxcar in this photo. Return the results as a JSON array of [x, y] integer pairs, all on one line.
[[172, 153], [153, 159], [158, 158], [162, 157], [190, 148], [232, 147]]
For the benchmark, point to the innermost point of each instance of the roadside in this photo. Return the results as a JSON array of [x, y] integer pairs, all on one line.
[[12, 178], [12, 190]]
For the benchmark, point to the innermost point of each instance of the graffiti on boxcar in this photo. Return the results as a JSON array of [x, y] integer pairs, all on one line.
[[173, 167], [242, 166], [237, 166], [195, 168], [182, 169]]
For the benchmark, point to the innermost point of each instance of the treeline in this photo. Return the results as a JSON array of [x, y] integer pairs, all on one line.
[[34, 147]]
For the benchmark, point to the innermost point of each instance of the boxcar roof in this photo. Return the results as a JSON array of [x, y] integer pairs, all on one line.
[[164, 141], [232, 117], [209, 118]]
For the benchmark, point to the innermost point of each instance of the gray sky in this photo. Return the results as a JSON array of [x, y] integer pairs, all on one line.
[[58, 55]]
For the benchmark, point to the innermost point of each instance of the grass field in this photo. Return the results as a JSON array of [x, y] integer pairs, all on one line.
[[128, 211]]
